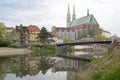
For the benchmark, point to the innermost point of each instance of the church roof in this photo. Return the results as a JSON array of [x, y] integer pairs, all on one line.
[[84, 20]]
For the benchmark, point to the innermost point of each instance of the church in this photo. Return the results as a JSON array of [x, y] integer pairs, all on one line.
[[77, 28]]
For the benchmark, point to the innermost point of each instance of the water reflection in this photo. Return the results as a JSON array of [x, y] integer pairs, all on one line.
[[29, 67], [71, 66], [66, 65]]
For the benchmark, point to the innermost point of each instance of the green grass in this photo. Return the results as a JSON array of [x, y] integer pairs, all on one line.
[[47, 50], [113, 74], [105, 68]]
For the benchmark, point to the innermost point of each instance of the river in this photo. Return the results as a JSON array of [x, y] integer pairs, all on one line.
[[28, 67], [40, 67]]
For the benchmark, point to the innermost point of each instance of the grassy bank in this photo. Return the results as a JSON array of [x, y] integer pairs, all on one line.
[[47, 50], [105, 68]]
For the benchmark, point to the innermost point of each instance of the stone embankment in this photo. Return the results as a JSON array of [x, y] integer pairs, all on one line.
[[14, 51]]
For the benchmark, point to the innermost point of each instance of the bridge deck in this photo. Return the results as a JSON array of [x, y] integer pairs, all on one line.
[[84, 43]]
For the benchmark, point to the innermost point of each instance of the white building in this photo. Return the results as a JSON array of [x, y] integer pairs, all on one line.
[[106, 33]]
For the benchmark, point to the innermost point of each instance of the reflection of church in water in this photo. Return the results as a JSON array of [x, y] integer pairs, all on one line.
[[72, 67], [66, 65], [77, 28]]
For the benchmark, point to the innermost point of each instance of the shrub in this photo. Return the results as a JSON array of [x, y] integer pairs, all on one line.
[[112, 75], [96, 75]]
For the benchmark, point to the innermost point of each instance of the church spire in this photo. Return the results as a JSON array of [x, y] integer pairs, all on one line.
[[68, 10], [87, 12], [74, 15], [68, 17]]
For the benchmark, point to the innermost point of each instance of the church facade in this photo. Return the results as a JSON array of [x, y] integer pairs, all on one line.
[[77, 28]]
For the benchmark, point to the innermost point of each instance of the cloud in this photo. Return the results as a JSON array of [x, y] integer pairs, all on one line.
[[53, 12]]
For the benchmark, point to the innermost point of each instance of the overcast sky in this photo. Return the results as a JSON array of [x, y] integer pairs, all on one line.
[[50, 13]]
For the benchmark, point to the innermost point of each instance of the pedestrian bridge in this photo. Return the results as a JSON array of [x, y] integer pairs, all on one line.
[[87, 57], [84, 43]]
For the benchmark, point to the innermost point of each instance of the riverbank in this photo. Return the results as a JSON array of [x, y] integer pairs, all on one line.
[[105, 68], [13, 51]]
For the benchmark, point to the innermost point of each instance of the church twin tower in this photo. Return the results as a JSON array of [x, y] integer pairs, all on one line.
[[69, 16]]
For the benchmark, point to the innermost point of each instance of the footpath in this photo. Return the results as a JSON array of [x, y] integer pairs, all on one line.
[[14, 51]]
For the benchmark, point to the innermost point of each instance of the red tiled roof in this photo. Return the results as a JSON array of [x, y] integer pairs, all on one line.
[[33, 28]]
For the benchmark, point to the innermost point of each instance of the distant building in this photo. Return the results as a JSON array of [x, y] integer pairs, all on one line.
[[115, 38], [9, 29], [61, 33], [33, 33], [28, 34], [106, 33], [71, 33], [76, 29]]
